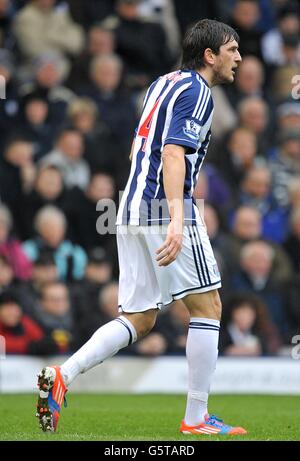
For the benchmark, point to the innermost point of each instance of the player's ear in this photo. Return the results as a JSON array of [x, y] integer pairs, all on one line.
[[209, 56]]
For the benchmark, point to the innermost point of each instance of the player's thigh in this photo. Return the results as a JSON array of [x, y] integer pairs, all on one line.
[[206, 305], [138, 287]]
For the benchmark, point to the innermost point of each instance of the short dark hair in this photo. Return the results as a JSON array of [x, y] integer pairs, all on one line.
[[204, 34]]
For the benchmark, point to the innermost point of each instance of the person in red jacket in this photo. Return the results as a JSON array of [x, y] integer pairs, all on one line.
[[21, 333]]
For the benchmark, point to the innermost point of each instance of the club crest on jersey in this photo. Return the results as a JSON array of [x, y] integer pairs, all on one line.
[[192, 129]]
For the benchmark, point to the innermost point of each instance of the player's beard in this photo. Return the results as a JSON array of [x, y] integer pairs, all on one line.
[[220, 76]]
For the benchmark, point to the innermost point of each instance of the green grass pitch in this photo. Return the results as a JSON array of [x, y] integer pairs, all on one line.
[[149, 417]]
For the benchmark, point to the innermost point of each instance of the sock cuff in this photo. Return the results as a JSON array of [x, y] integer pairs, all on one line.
[[202, 323], [130, 328]]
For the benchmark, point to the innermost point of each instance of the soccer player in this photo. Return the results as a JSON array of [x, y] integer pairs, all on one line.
[[163, 247]]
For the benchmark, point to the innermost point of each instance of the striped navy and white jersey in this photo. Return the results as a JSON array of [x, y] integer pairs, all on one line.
[[178, 109]]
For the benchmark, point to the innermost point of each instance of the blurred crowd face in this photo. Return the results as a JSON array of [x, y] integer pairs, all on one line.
[[19, 154], [294, 193], [49, 183], [244, 317], [128, 11], [100, 41], [6, 273], [256, 259], [55, 300], [4, 8], [254, 115], [107, 74], [71, 145], [101, 186], [52, 230], [250, 76], [108, 300], [48, 75], [36, 112], [211, 221], [84, 122], [289, 121], [247, 224], [257, 182], [290, 24], [243, 146], [10, 314], [44, 5], [291, 149], [42, 274], [98, 272], [246, 14]]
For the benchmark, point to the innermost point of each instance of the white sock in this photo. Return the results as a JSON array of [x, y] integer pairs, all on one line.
[[104, 343], [202, 353]]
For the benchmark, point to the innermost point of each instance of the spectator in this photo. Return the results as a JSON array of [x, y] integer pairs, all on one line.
[[10, 98], [91, 12], [255, 275], [100, 41], [85, 293], [6, 15], [246, 328], [142, 45], [288, 114], [285, 164], [239, 155], [11, 248], [173, 324], [219, 240], [253, 113], [114, 104], [22, 335], [292, 243], [17, 168], [102, 150], [33, 124], [249, 81], [6, 274], [81, 209], [163, 12], [55, 316], [256, 191], [245, 17], [40, 27], [51, 226], [48, 190], [246, 226], [212, 188], [67, 157], [288, 26], [49, 72]]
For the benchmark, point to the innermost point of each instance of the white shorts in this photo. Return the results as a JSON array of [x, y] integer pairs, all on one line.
[[144, 285]]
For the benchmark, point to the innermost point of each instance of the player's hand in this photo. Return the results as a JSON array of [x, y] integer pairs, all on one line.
[[171, 247]]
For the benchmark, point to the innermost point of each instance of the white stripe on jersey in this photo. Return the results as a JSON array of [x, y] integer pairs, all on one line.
[[199, 98], [204, 101]]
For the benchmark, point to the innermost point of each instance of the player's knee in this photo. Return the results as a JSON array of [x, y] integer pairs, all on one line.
[[143, 322]]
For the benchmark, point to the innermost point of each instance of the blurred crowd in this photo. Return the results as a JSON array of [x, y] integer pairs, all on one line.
[[73, 75]]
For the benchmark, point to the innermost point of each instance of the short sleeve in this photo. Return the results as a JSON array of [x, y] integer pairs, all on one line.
[[189, 114]]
